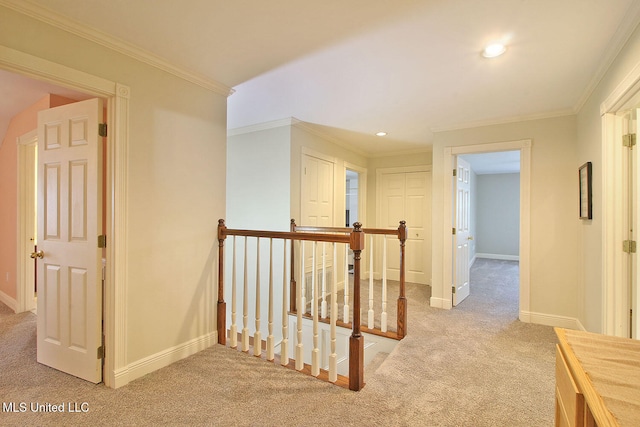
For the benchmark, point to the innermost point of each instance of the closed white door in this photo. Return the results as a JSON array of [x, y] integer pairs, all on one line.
[[406, 196], [69, 332], [317, 197], [317, 192], [462, 212]]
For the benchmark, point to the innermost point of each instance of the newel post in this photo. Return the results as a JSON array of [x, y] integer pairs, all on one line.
[[402, 299], [356, 341], [292, 279], [222, 306]]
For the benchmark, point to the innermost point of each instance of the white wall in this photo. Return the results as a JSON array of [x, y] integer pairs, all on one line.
[[554, 222], [497, 215], [259, 179], [175, 191], [590, 148]]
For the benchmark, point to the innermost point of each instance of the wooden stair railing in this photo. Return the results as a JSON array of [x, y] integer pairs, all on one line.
[[401, 234], [355, 239]]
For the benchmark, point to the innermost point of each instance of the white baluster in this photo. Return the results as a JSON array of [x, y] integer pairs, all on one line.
[[314, 285], [303, 305], [333, 358], [383, 316], [324, 282], [299, 346], [245, 304], [270, 350], [345, 316], [257, 336], [234, 327], [370, 313], [315, 354], [284, 346]]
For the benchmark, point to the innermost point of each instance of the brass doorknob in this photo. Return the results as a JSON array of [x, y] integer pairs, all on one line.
[[470, 238], [39, 254]]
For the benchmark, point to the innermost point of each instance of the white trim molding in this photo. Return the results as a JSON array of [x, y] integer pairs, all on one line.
[[615, 298], [57, 20], [9, 302], [25, 275], [551, 320], [117, 96], [498, 256], [165, 357], [524, 146]]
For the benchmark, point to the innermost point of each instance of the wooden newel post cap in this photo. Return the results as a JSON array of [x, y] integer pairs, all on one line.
[[357, 237], [221, 229], [402, 230]]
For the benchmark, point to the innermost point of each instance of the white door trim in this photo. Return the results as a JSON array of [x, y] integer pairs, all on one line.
[[614, 293], [25, 274], [362, 189], [525, 218], [117, 96]]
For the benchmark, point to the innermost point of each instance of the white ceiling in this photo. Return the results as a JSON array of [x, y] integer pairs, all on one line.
[[492, 163], [352, 68]]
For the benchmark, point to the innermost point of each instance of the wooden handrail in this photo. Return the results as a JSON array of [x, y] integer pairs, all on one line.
[[400, 232], [355, 239]]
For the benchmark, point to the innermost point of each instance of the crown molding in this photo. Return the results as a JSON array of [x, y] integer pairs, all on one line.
[[617, 42], [289, 121], [28, 8], [514, 119], [399, 153]]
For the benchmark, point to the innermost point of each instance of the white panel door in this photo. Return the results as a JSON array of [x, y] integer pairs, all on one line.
[[462, 212], [69, 222], [317, 205], [405, 196], [317, 192]]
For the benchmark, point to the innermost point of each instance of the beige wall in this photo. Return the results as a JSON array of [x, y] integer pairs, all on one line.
[[554, 216], [175, 191]]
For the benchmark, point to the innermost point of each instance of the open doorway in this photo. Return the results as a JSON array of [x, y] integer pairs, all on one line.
[[448, 161], [494, 220], [117, 97], [355, 179]]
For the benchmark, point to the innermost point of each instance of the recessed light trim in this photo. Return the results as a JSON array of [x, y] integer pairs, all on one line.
[[494, 50], [381, 134]]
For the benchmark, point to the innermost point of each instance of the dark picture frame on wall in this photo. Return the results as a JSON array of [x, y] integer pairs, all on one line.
[[586, 209]]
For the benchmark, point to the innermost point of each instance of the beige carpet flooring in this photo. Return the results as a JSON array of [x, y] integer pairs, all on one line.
[[475, 365]]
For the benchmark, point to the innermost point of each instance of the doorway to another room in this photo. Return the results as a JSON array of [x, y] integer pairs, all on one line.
[[493, 234]]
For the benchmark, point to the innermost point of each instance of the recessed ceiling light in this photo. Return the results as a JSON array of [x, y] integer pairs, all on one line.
[[493, 50], [381, 134]]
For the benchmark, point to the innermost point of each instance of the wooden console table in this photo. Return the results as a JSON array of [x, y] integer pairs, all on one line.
[[597, 380]]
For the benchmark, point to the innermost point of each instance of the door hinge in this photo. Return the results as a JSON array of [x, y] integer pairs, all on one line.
[[100, 352], [629, 246], [455, 172], [453, 231], [453, 289], [102, 129], [102, 241], [629, 140]]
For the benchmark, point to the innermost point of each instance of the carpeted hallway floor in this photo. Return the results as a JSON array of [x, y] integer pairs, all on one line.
[[475, 365]]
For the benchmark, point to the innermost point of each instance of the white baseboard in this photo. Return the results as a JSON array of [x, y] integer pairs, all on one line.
[[163, 358], [499, 256], [10, 302], [551, 320], [440, 303]]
